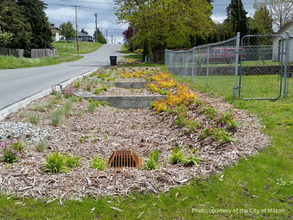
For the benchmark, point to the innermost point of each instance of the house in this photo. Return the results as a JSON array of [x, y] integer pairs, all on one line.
[[82, 37], [56, 33], [277, 42]]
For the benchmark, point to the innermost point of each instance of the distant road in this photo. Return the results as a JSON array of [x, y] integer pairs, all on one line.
[[17, 84]]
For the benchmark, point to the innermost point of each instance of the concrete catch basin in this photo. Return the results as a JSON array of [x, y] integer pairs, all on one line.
[[125, 102]]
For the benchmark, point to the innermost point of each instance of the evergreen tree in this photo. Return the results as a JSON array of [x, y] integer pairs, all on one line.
[[41, 35], [237, 16], [83, 31], [12, 20]]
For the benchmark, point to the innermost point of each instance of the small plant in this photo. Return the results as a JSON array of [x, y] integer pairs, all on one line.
[[88, 87], [190, 160], [55, 163], [10, 155], [38, 107], [41, 145], [91, 107], [53, 91], [106, 137], [79, 113], [72, 160], [104, 103], [56, 117], [77, 85], [97, 163], [177, 156], [80, 98], [17, 145], [151, 163], [33, 118], [68, 92], [67, 107]]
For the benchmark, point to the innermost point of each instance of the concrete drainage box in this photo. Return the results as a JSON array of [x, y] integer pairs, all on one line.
[[125, 102], [126, 85]]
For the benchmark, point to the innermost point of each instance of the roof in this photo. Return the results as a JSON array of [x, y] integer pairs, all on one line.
[[56, 28], [285, 26], [80, 34]]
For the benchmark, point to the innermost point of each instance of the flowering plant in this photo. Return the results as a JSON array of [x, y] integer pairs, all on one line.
[[11, 150]]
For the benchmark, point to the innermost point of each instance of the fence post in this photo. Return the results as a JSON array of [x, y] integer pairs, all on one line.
[[236, 65], [287, 51], [208, 60], [192, 64]]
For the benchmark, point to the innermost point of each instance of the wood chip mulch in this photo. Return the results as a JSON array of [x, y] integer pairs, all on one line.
[[140, 130]]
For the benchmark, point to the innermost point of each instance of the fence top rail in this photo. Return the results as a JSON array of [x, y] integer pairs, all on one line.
[[203, 46]]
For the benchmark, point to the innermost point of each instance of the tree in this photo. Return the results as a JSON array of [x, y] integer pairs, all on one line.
[[261, 22], [12, 20], [101, 39], [165, 23], [280, 11], [236, 15], [67, 30], [5, 37], [41, 35], [83, 31]]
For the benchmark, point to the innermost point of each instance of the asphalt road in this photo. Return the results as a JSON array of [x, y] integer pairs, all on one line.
[[17, 84]]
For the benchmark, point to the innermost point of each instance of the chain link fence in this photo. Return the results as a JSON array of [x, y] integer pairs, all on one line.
[[261, 71], [258, 67], [211, 65]]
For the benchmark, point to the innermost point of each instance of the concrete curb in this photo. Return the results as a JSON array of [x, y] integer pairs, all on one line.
[[24, 102]]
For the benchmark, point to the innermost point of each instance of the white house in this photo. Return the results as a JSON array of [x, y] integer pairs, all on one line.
[[56, 32], [277, 42]]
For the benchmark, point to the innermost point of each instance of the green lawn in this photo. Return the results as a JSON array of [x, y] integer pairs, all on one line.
[[10, 62], [257, 187]]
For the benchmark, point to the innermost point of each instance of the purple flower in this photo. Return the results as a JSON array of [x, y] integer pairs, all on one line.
[[219, 125], [12, 141], [1, 144], [196, 131], [5, 147], [18, 141], [208, 126]]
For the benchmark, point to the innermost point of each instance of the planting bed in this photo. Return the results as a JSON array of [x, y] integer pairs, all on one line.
[[108, 129]]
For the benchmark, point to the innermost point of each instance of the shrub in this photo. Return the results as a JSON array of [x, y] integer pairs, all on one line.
[[10, 155], [190, 160]]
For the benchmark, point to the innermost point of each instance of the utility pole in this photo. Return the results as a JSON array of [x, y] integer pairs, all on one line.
[[96, 15], [133, 36], [112, 39], [107, 35], [76, 26]]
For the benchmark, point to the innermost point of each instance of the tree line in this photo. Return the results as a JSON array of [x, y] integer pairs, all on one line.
[[172, 24], [24, 25]]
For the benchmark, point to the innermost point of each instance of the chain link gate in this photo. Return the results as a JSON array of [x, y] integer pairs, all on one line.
[[261, 67]]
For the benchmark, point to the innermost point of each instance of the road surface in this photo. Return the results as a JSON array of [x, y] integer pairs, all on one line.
[[17, 84]]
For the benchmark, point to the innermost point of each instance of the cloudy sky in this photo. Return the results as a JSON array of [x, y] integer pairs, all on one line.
[[62, 11]]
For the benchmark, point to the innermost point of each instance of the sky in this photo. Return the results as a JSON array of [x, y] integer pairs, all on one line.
[[62, 11]]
